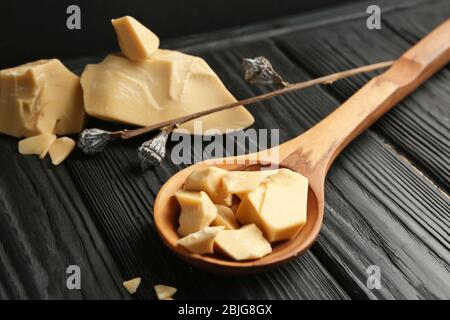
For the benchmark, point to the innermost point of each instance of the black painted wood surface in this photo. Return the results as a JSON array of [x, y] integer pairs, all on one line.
[[387, 195]]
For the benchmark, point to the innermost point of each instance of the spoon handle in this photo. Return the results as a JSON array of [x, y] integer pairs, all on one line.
[[315, 150]]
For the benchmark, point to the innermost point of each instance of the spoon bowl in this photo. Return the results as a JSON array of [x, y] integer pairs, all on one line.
[[311, 154], [166, 219]]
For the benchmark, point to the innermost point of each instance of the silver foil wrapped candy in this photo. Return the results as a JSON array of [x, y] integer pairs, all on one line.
[[260, 71], [153, 151], [93, 140]]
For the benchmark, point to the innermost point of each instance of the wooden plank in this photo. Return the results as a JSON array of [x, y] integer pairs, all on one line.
[[380, 210], [45, 227], [419, 21], [388, 216], [289, 116], [97, 212], [420, 126], [121, 200], [204, 42]]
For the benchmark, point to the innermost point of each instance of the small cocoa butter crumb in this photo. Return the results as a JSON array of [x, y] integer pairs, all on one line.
[[132, 285], [164, 292]]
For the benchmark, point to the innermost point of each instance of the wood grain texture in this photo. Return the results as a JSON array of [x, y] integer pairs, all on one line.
[[96, 211], [121, 199], [226, 38], [420, 127], [44, 228], [311, 153], [351, 238]]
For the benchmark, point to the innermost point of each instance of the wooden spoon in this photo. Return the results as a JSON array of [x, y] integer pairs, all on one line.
[[312, 153]]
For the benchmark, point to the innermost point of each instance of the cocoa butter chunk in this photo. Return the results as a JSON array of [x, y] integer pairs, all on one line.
[[225, 218], [135, 40], [40, 97], [242, 182], [132, 285], [164, 292], [278, 206], [201, 242], [197, 211], [209, 179], [168, 85], [38, 145], [61, 149], [246, 243]]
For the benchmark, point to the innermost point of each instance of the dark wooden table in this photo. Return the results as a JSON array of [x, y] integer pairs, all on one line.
[[387, 196]]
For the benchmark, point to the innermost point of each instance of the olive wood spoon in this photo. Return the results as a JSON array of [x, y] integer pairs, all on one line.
[[311, 154]]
